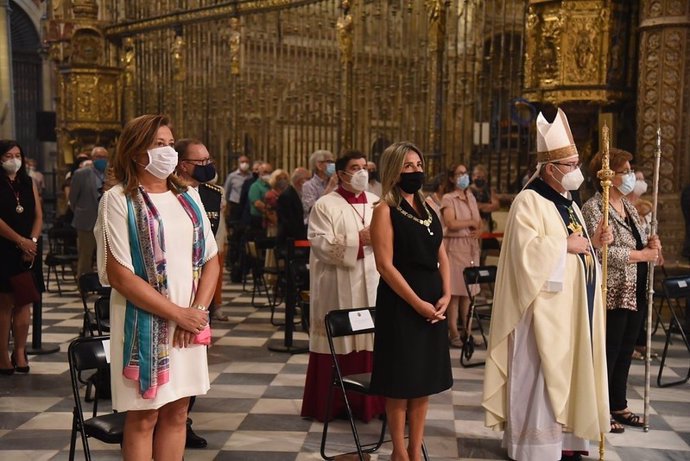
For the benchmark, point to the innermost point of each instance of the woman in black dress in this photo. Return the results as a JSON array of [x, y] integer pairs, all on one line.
[[20, 226], [411, 357]]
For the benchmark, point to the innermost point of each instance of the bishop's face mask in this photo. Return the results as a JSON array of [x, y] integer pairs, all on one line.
[[572, 180]]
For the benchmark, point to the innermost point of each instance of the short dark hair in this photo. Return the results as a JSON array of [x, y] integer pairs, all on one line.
[[182, 145], [344, 159]]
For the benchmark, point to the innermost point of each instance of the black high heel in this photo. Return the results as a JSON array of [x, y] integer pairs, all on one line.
[[6, 371], [17, 368]]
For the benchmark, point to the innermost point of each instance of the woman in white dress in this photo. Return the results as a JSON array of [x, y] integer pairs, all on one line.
[[157, 307]]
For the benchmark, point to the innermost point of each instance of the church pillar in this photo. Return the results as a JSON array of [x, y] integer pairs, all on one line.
[[345, 36], [662, 99], [88, 101], [6, 96]]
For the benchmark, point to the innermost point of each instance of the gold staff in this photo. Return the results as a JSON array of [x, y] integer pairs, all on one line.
[[650, 282], [605, 176]]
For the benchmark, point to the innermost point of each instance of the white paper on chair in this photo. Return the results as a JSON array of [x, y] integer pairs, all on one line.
[[484, 273], [106, 348], [361, 320], [682, 284]]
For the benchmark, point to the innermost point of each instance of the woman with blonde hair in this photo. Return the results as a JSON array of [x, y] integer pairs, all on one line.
[[157, 307], [411, 357]]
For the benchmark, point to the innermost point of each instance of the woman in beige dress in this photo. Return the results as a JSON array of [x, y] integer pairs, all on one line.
[[461, 238]]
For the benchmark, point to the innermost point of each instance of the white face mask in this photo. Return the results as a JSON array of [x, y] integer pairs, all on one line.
[[627, 184], [162, 161], [11, 166], [244, 166], [572, 180], [359, 180], [640, 187]]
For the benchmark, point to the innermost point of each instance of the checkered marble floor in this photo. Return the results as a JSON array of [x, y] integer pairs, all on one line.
[[252, 409]]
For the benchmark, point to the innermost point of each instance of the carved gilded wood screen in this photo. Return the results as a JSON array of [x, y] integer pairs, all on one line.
[[278, 79]]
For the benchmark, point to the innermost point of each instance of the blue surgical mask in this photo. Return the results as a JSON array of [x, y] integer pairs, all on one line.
[[330, 169], [100, 164], [628, 183], [463, 181]]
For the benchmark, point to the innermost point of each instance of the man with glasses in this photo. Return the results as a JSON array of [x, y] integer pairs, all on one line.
[[322, 182], [195, 165], [545, 378]]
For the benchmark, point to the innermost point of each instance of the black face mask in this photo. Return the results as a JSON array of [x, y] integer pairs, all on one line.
[[480, 182], [255, 174], [204, 173], [373, 176], [411, 182]]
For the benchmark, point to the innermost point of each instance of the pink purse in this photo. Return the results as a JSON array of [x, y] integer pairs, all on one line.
[[204, 337]]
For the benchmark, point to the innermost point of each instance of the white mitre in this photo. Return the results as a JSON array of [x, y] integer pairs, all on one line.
[[554, 140]]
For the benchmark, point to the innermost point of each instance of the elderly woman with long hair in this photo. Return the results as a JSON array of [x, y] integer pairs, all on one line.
[[157, 306], [20, 226], [411, 356], [628, 256]]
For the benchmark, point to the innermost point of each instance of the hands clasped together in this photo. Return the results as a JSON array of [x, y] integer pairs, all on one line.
[[434, 313], [190, 322]]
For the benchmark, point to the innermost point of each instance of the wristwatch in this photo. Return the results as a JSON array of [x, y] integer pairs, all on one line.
[[34, 239], [201, 307]]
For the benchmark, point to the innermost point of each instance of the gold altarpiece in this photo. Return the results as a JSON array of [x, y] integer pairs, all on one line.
[[277, 79]]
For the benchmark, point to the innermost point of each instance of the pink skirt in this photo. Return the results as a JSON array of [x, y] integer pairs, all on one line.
[[462, 252]]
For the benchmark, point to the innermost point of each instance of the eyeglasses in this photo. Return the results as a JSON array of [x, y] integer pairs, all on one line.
[[625, 172], [200, 162], [572, 166]]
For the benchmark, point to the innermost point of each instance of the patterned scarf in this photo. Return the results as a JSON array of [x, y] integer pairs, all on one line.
[[146, 350]]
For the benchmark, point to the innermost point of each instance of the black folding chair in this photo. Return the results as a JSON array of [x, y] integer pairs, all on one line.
[[102, 313], [90, 285], [675, 289], [480, 308], [62, 253], [88, 355], [338, 325]]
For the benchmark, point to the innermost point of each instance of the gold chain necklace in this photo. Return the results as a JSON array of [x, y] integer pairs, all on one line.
[[426, 223]]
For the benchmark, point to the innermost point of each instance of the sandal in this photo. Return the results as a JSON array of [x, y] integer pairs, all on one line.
[[628, 418], [456, 342], [616, 427]]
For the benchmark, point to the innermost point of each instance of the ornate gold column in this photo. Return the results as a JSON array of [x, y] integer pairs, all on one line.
[[663, 89], [436, 11], [6, 99], [88, 90], [129, 68], [179, 76], [345, 35]]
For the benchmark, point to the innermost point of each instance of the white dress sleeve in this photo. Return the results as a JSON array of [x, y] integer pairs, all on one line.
[[112, 233]]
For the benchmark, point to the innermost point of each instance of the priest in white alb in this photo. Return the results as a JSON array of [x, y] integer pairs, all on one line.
[[342, 275], [545, 379]]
